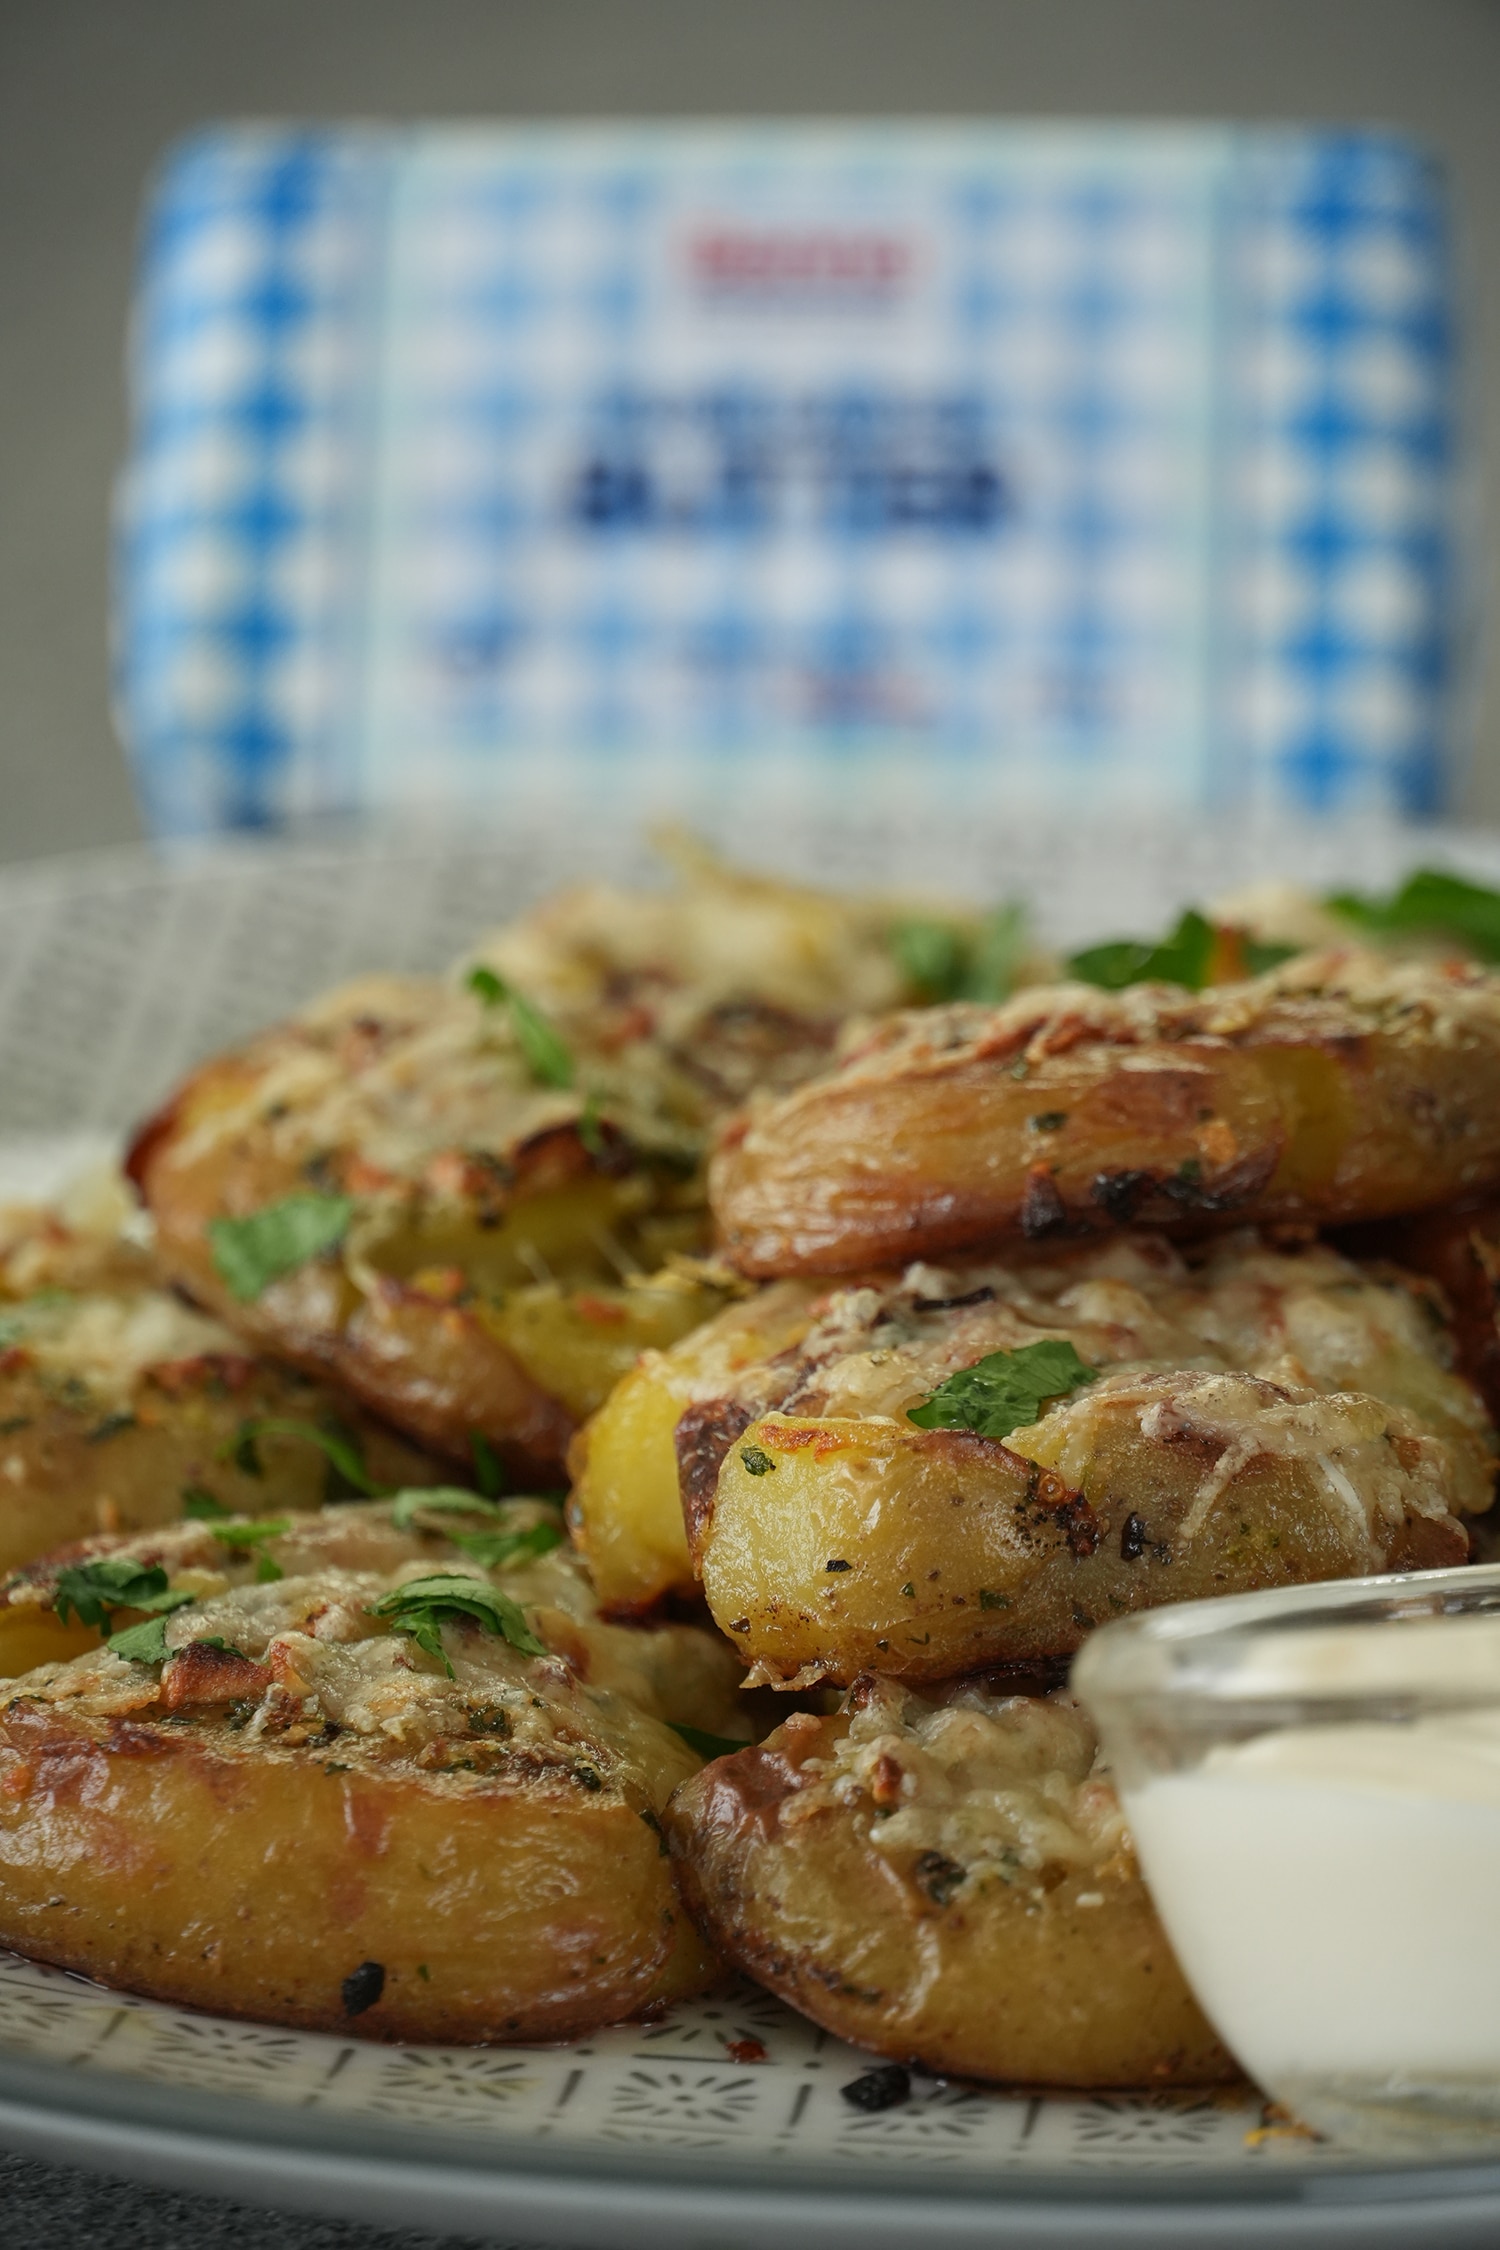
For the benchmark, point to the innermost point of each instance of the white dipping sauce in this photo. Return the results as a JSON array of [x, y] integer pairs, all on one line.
[[1331, 1892]]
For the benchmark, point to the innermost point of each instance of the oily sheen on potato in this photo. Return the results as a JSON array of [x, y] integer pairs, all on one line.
[[1339, 1087], [1250, 1417], [119, 1404], [469, 1200], [279, 1803], [949, 1883]]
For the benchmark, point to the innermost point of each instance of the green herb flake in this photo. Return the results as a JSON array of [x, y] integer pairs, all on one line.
[[336, 1444], [1183, 958], [590, 1126], [111, 1426], [251, 1534], [945, 961], [548, 1055], [1048, 1121], [758, 1464], [224, 1648], [1260, 954], [93, 1591], [488, 1473], [989, 1600], [249, 1254], [422, 1606], [508, 1550], [438, 1500], [1004, 1390], [1429, 900], [200, 1506], [145, 1643], [707, 1745]]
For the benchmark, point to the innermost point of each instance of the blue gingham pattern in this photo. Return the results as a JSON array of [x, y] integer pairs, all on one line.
[[1347, 588], [1058, 466]]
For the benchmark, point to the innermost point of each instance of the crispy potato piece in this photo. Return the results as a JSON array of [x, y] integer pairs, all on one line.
[[950, 1884], [1271, 1417], [502, 1183], [1341, 1086], [625, 1509], [305, 1816], [116, 1400]]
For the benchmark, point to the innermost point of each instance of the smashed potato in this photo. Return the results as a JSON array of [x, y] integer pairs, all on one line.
[[1263, 1417], [949, 1883], [119, 1404], [355, 1780], [1341, 1086], [625, 1508], [469, 1201]]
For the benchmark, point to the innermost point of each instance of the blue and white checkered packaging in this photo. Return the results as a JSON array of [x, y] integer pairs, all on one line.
[[1093, 466]]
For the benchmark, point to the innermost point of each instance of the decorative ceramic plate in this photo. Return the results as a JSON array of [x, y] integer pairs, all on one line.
[[731, 2119]]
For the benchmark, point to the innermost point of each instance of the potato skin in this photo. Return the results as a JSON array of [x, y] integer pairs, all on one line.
[[298, 1790], [1005, 1985], [868, 1545], [70, 1472], [169, 1862], [1340, 1087], [625, 1511]]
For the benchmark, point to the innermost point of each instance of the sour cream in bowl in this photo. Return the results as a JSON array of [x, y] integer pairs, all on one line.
[[1312, 1781]]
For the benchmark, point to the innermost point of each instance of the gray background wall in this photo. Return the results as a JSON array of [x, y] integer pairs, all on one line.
[[90, 90]]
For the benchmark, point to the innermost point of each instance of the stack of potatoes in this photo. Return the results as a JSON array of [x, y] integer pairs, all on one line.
[[890, 1348]]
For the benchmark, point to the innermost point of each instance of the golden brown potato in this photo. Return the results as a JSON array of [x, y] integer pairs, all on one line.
[[1264, 1417], [464, 1201], [1341, 1086], [949, 1883], [625, 1508], [118, 1403], [332, 1798]]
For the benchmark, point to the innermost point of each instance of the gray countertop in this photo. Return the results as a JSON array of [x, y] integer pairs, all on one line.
[[45, 2202]]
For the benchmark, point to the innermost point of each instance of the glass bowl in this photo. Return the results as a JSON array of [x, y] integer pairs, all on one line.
[[1312, 1780]]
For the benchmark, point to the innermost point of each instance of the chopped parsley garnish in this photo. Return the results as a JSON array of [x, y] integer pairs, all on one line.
[[590, 1124], [488, 1473], [1004, 1390], [249, 1254], [93, 1591], [1429, 900], [944, 961], [250, 1536], [707, 1745], [422, 1606], [548, 1056], [1185, 957], [145, 1643], [200, 1506], [439, 1500], [340, 1449], [505, 1550], [759, 1464], [1182, 958]]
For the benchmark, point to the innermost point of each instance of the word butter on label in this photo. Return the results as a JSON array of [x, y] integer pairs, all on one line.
[[1051, 465]]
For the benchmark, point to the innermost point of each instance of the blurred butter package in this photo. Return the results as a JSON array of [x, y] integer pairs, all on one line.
[[679, 465]]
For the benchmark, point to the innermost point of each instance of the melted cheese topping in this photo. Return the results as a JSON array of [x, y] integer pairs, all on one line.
[[602, 1697], [1309, 1321], [109, 1343], [997, 1787], [1334, 994]]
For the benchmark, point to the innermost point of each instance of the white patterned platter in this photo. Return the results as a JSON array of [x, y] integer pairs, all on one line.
[[727, 2121]]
